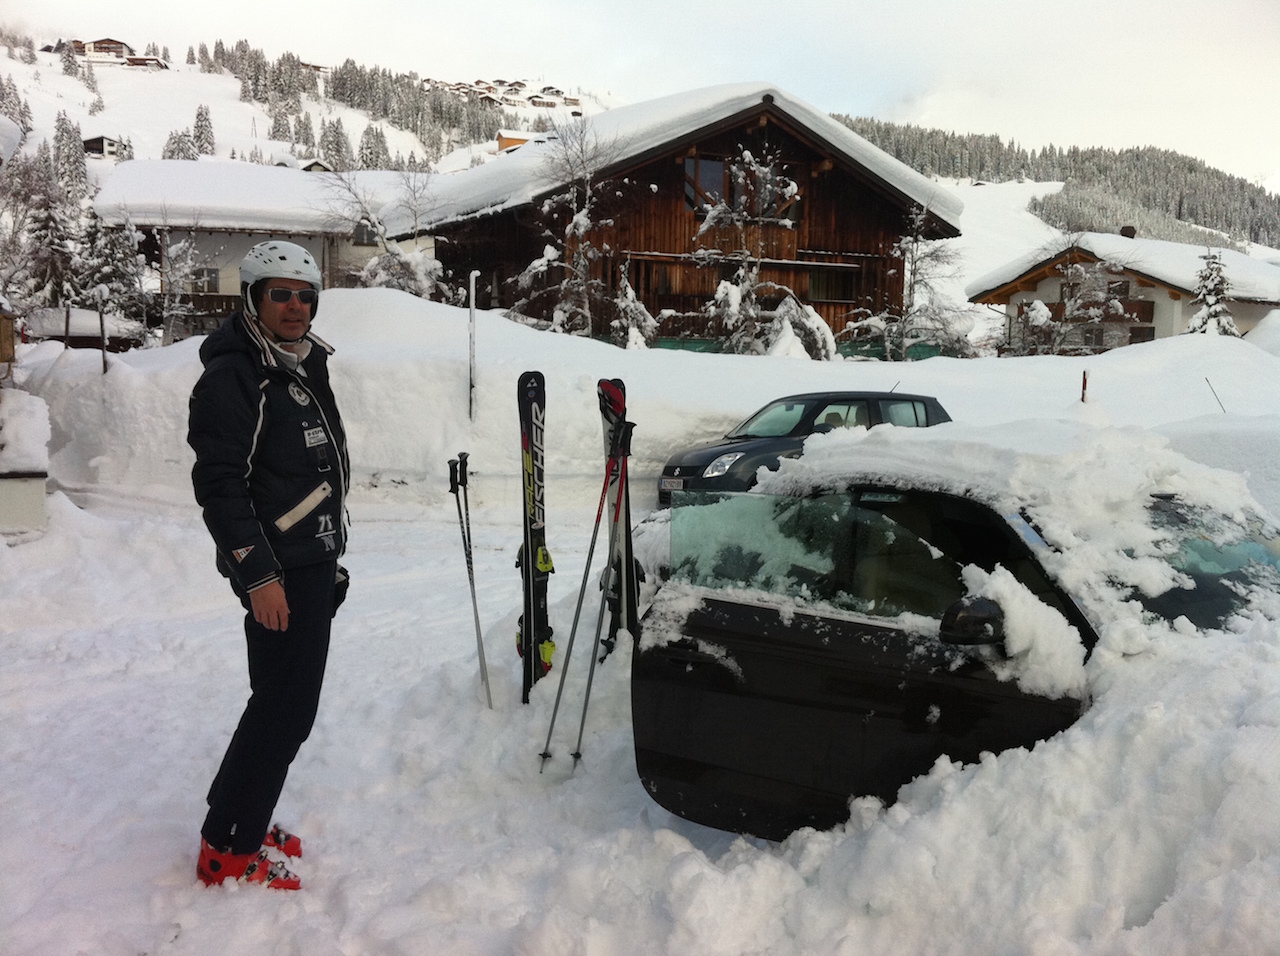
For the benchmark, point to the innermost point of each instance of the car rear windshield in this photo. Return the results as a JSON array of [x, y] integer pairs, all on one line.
[[1226, 565]]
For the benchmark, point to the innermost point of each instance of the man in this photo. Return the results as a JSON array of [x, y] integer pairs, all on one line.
[[271, 475]]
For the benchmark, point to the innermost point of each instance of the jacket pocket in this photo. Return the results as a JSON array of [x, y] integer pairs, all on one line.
[[304, 507]]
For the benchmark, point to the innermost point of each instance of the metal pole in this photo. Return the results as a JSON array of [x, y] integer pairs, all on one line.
[[471, 328]]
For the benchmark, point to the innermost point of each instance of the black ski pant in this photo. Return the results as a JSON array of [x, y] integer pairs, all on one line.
[[286, 669]]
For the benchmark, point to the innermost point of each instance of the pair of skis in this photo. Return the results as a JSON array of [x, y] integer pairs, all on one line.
[[618, 577]]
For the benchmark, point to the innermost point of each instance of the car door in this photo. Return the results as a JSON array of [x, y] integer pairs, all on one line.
[[794, 660]]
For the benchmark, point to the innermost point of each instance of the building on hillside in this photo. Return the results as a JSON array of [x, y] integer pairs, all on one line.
[[830, 241], [106, 49], [226, 207], [103, 146], [1117, 290], [146, 62]]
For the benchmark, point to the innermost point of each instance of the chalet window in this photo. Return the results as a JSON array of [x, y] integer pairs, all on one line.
[[710, 180], [703, 182], [1118, 289], [1091, 337], [364, 235], [833, 285], [204, 280], [1070, 290], [1142, 333]]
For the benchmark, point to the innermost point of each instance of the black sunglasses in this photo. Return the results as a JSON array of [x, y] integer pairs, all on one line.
[[305, 296]]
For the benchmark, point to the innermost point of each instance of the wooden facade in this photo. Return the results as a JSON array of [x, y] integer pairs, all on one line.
[[831, 245]]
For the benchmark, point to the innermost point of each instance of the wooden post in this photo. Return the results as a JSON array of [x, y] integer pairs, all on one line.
[[102, 331], [1084, 385]]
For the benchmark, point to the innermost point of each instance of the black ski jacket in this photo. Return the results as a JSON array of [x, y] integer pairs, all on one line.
[[271, 471]]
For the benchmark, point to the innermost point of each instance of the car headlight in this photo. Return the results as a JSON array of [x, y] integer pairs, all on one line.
[[721, 465]]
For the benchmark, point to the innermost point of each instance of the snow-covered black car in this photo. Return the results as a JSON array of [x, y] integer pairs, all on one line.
[[778, 431], [885, 602]]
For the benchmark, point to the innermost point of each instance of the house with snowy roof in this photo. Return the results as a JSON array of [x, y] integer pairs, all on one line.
[[224, 207], [829, 240], [1141, 289]]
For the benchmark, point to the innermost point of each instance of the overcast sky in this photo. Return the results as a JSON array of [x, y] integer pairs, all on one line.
[[1198, 76]]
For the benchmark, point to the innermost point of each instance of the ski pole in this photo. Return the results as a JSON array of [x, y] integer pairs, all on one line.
[[458, 479], [577, 611], [624, 450]]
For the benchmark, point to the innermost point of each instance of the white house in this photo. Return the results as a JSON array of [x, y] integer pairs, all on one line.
[[1150, 286], [227, 206]]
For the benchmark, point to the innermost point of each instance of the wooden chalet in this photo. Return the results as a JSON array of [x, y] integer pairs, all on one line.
[[830, 241]]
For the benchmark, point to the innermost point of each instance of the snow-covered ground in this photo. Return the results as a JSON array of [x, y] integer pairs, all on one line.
[[1150, 826]]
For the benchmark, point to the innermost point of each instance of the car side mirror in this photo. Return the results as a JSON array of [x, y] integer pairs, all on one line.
[[972, 621]]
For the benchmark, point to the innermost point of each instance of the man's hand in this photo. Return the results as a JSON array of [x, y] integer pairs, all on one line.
[[270, 607]]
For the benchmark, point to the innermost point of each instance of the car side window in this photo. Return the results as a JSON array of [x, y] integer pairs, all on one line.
[[906, 414], [842, 415], [878, 552]]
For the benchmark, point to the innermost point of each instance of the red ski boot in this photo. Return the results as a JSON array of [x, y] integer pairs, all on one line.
[[278, 838], [215, 866]]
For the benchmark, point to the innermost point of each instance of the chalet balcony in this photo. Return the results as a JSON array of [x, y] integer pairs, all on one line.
[[761, 240], [1128, 311]]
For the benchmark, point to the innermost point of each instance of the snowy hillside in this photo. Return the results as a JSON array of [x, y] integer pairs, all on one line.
[[145, 106]]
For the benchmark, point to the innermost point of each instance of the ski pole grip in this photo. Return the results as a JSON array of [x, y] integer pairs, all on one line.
[[624, 445], [462, 468], [453, 476]]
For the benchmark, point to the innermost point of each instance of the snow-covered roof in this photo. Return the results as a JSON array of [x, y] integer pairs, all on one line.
[[636, 130], [1172, 264], [52, 323], [226, 194]]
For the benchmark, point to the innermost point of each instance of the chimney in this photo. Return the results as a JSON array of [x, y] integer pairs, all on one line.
[[1129, 232]]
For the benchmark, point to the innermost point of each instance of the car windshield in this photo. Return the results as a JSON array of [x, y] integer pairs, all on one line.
[[1225, 563], [773, 421]]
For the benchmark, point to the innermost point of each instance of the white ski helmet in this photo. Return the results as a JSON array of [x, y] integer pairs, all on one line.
[[276, 259]]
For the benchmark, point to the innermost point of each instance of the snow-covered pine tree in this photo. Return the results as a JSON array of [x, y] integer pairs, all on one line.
[[1213, 293], [280, 128], [335, 146], [68, 57], [303, 132], [180, 145], [202, 132], [52, 240], [68, 159], [373, 152], [191, 56]]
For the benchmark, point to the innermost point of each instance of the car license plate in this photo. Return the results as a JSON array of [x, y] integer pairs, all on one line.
[[671, 484]]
